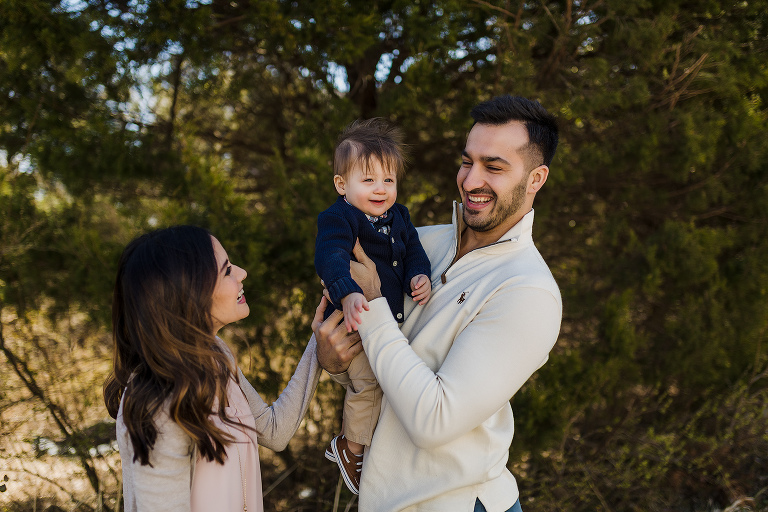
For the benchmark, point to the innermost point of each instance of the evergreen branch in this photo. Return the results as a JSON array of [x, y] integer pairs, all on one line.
[[551, 17], [699, 184], [496, 8], [228, 21], [716, 212]]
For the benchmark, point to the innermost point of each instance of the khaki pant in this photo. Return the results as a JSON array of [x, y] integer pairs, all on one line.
[[362, 403]]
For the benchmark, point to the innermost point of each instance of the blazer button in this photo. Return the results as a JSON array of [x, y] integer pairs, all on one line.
[[393, 239], [399, 316], [394, 263]]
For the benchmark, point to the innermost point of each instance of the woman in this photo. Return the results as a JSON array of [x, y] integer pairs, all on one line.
[[187, 419]]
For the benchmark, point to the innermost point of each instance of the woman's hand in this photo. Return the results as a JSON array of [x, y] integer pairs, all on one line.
[[335, 348], [364, 273]]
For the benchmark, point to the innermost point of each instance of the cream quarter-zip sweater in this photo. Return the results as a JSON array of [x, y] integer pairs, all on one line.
[[448, 374]]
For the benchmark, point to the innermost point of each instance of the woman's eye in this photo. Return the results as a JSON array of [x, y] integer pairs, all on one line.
[[228, 271]]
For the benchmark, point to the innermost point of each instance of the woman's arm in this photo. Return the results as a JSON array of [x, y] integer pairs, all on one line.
[[277, 423]]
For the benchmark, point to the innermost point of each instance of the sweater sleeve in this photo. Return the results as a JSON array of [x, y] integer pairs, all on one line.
[[489, 361], [416, 260], [333, 250], [277, 423]]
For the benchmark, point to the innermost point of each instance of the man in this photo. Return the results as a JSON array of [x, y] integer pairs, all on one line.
[[449, 371]]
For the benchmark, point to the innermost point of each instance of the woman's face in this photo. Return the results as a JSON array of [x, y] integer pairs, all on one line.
[[229, 303]]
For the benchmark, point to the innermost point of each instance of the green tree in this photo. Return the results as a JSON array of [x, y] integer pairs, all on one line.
[[120, 116]]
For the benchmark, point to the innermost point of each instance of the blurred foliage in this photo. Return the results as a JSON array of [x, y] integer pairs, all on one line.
[[120, 116]]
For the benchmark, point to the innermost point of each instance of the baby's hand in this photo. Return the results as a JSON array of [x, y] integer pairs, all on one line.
[[352, 305], [422, 288]]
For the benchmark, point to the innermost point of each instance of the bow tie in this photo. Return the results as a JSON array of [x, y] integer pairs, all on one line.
[[382, 223]]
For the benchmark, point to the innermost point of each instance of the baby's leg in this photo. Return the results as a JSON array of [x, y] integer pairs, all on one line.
[[362, 404]]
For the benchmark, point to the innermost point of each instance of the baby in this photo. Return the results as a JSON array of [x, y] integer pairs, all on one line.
[[368, 161]]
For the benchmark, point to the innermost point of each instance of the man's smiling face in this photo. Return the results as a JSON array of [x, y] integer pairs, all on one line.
[[493, 178]]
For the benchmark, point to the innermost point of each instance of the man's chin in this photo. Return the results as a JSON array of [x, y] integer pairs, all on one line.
[[476, 221]]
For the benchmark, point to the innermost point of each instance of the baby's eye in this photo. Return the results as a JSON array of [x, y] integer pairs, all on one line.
[[367, 180], [228, 271], [389, 180]]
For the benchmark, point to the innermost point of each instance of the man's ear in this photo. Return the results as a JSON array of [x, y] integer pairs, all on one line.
[[338, 182], [537, 178]]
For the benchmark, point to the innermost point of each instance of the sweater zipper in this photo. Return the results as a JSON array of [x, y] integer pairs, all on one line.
[[444, 279]]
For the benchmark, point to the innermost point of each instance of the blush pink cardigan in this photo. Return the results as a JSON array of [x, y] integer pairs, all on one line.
[[166, 485]]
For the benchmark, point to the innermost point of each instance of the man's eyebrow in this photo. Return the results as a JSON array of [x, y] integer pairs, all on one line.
[[224, 265], [494, 159], [487, 159]]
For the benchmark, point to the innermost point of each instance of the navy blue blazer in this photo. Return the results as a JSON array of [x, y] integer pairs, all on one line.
[[398, 256]]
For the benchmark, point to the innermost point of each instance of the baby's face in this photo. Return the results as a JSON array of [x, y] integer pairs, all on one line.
[[372, 192]]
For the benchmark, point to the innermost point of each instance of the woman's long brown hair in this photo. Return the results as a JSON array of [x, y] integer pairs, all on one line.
[[165, 352]]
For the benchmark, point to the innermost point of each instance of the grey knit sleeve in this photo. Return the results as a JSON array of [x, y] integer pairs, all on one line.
[[277, 423]]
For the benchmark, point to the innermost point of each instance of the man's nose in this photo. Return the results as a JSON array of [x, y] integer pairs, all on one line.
[[474, 178]]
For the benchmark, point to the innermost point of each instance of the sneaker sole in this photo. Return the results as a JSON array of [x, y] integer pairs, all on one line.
[[329, 455]]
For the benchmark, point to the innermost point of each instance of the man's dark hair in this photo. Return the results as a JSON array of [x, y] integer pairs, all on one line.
[[541, 125]]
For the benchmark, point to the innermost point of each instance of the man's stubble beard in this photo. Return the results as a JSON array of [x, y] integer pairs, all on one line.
[[501, 211]]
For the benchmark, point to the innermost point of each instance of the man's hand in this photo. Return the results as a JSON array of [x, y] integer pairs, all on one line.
[[352, 305], [421, 288], [364, 273], [335, 349]]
